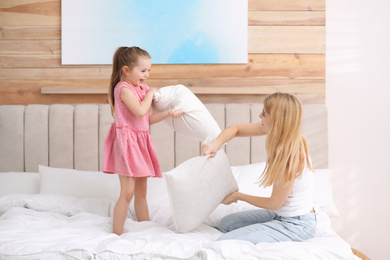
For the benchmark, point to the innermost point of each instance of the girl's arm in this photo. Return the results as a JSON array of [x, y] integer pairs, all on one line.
[[136, 107], [280, 192], [157, 117], [279, 195], [251, 129]]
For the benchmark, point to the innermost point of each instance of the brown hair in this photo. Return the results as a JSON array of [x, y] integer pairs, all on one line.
[[124, 56]]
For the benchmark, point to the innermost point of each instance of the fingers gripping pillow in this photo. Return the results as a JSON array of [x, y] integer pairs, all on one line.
[[196, 187], [196, 123]]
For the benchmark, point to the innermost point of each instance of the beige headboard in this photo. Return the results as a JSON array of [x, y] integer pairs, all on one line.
[[72, 136]]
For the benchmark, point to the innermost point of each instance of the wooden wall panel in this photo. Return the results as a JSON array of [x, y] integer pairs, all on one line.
[[30, 12], [270, 18], [286, 45], [286, 39], [31, 32], [287, 5]]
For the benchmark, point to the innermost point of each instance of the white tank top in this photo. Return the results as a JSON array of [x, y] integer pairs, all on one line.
[[300, 201]]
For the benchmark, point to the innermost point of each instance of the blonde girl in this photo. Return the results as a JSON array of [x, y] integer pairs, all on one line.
[[129, 150], [288, 215]]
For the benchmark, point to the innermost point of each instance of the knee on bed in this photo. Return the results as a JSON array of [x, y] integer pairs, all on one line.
[[226, 224]]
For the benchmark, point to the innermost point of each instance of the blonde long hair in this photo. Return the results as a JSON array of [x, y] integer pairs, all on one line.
[[124, 56], [287, 149]]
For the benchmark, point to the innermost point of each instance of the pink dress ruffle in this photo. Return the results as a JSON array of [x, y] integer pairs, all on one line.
[[129, 149]]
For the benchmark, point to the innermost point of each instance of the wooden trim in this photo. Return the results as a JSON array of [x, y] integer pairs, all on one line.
[[255, 99], [303, 87], [251, 82], [246, 90], [28, 97], [74, 90], [195, 90]]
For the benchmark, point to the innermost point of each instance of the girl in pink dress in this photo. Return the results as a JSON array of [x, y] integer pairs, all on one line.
[[129, 150]]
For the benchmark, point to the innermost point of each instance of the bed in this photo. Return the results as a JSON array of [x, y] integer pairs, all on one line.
[[55, 203]]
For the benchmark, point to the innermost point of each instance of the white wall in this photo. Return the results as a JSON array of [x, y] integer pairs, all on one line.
[[358, 101]]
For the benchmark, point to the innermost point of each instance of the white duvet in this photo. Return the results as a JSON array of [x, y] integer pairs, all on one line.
[[49, 226]]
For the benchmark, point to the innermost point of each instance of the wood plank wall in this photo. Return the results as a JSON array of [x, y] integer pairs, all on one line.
[[286, 45]]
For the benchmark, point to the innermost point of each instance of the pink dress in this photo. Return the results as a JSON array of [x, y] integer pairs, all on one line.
[[129, 149]]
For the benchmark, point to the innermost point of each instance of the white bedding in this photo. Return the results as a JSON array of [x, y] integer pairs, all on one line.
[[51, 226]]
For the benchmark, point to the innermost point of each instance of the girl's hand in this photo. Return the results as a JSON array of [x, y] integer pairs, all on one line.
[[152, 90], [175, 113], [231, 198], [210, 149]]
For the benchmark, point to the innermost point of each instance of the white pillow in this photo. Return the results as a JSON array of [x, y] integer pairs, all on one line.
[[88, 184], [323, 192], [58, 203], [247, 176], [69, 205], [19, 182], [82, 184], [158, 203], [196, 187], [196, 122]]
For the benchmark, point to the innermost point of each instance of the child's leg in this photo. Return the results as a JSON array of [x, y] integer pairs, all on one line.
[[122, 205], [140, 202]]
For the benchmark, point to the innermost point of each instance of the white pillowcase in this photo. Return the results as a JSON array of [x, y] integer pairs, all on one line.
[[246, 177], [89, 185], [196, 187], [323, 197], [57, 203], [19, 182], [196, 122], [323, 192], [158, 203], [82, 184]]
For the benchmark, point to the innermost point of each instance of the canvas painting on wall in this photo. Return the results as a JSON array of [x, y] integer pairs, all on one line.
[[172, 31]]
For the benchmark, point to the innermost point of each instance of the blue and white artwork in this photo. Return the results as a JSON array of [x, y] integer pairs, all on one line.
[[172, 31]]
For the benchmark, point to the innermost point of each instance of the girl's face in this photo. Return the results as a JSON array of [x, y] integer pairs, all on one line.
[[139, 73], [265, 121]]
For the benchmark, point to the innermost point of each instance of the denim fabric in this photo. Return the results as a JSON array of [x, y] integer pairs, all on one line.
[[262, 225]]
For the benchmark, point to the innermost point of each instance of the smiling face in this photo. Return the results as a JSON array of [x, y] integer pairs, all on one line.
[[265, 121], [137, 75]]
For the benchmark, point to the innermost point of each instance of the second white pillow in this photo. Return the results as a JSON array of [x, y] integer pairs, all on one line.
[[196, 187]]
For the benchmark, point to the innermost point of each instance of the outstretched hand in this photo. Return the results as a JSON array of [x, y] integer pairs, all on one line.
[[209, 149], [229, 199]]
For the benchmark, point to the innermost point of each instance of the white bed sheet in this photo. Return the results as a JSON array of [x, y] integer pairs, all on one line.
[[50, 226]]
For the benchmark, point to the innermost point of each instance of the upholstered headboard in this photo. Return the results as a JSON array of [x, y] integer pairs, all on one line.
[[72, 136]]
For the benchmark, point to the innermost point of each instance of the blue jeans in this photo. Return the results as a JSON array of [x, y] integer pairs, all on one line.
[[262, 225]]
